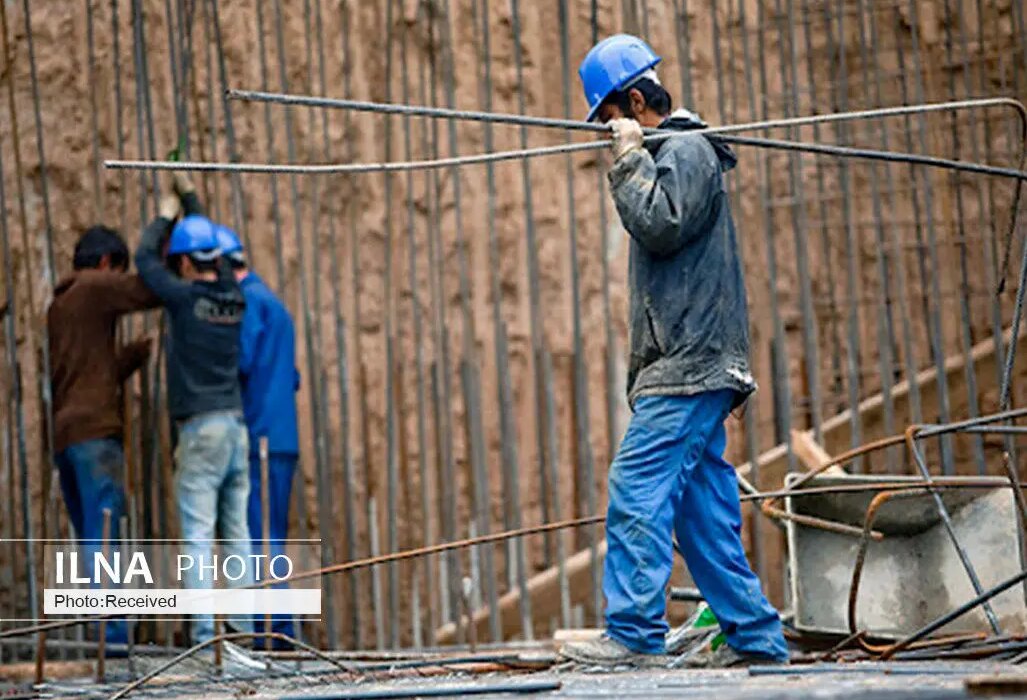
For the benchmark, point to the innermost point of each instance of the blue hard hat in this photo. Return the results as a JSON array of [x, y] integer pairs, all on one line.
[[194, 236], [229, 243], [612, 65]]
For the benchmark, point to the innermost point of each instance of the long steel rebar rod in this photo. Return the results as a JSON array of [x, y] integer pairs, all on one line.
[[479, 159]]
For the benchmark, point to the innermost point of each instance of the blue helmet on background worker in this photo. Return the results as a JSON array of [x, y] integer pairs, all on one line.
[[611, 65], [230, 245], [194, 236]]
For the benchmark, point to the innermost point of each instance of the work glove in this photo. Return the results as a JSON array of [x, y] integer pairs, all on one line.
[[627, 136], [182, 184], [169, 207]]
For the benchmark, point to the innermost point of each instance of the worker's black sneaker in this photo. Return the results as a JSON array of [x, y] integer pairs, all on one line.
[[610, 653], [726, 657]]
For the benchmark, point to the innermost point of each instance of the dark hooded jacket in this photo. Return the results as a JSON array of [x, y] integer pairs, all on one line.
[[689, 325]]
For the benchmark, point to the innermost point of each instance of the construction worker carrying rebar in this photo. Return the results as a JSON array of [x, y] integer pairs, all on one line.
[[87, 371], [270, 380], [688, 369], [205, 307]]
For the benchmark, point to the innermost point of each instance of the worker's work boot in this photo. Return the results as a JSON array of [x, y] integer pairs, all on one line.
[[605, 651], [726, 657]]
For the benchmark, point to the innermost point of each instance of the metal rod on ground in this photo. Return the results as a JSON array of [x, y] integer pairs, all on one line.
[[508, 688], [217, 640], [943, 511]]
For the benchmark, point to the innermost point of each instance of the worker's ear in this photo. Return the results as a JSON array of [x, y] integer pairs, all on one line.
[[638, 103]]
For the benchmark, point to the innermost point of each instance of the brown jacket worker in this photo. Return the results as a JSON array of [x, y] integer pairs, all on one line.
[[87, 372]]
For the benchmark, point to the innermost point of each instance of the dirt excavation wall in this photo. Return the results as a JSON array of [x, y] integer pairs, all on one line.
[[860, 276]]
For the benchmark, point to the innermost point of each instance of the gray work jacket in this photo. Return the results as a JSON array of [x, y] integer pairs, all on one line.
[[689, 325]]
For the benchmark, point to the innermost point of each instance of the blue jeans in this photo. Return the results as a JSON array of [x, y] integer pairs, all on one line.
[[212, 486], [669, 475], [92, 479], [281, 469]]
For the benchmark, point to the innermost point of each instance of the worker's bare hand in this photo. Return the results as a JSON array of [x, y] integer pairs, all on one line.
[[183, 185], [169, 207], [627, 136]]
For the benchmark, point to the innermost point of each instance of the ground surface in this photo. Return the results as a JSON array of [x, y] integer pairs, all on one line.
[[929, 681]]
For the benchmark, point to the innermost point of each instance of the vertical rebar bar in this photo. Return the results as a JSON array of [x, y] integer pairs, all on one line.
[[885, 327], [269, 132], [238, 201], [472, 380], [779, 355], [934, 312], [16, 398], [973, 408], [436, 586], [536, 331], [94, 110], [852, 272], [442, 382], [515, 561], [391, 463], [307, 311], [355, 280], [609, 348], [341, 360], [895, 242], [582, 411], [789, 76]]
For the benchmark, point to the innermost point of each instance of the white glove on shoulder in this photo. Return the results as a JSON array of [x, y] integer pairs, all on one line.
[[169, 207], [627, 136]]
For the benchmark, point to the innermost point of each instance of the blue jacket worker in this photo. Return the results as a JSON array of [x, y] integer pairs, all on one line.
[[270, 380], [205, 310], [689, 367]]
